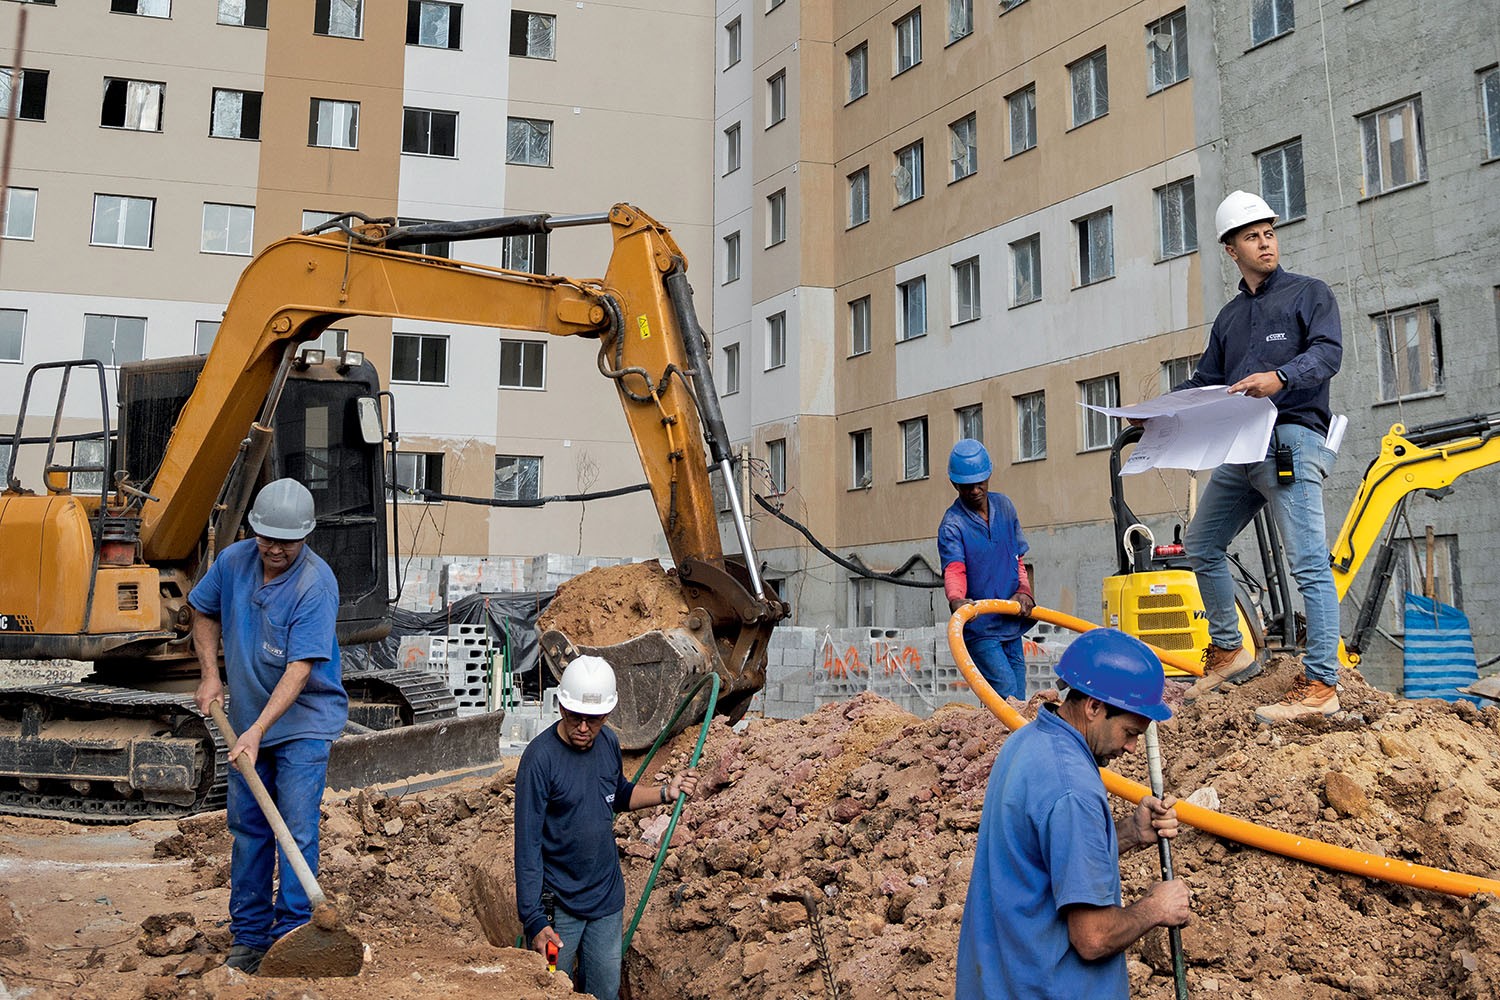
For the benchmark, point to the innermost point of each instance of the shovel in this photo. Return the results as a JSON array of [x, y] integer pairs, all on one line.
[[1174, 934], [321, 947]]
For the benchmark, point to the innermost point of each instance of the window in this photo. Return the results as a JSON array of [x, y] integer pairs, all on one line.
[[1270, 18], [1096, 247], [32, 105], [122, 222], [1392, 142], [525, 253], [859, 197], [776, 218], [415, 358], [1411, 351], [144, 8], [518, 477], [205, 331], [1026, 270], [332, 342], [908, 174], [532, 35], [776, 99], [1098, 430], [246, 13], [432, 248], [523, 364], [966, 291], [312, 220], [1031, 427], [1411, 574], [413, 471], [1022, 106], [19, 219], [732, 257], [862, 602], [114, 340], [91, 452], [913, 449], [775, 341], [859, 71], [1175, 371], [429, 133], [960, 19], [12, 334], [340, 18], [5, 456], [731, 369], [1489, 99], [970, 421], [227, 229], [235, 114], [861, 466], [1176, 220], [437, 25], [908, 41], [1006, 5], [1166, 51], [528, 141], [132, 104], [732, 50], [776, 465], [964, 138], [334, 124], [859, 326], [731, 149], [1090, 81], [911, 297], [1281, 180]]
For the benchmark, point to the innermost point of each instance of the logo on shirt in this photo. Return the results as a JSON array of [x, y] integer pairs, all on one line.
[[272, 649], [609, 799], [1275, 337]]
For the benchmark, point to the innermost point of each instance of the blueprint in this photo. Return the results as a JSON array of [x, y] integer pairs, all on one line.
[[1198, 428]]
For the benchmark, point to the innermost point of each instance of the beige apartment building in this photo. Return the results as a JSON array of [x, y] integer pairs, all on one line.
[[160, 144]]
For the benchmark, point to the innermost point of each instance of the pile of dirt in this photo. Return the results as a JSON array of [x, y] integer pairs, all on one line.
[[610, 604]]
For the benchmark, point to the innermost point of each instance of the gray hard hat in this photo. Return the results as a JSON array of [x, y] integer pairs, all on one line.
[[284, 511]]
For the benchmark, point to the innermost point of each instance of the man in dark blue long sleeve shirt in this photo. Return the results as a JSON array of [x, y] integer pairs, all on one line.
[[1280, 338]]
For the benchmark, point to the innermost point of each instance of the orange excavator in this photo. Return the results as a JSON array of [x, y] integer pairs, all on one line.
[[102, 574]]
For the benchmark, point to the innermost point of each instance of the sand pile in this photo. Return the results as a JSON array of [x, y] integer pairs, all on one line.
[[609, 604]]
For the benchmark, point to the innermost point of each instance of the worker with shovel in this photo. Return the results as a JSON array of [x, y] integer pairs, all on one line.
[[274, 603], [570, 892], [1043, 916]]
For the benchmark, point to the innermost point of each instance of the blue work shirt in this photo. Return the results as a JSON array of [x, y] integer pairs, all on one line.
[[989, 551], [1046, 841], [268, 625], [1291, 324], [566, 801]]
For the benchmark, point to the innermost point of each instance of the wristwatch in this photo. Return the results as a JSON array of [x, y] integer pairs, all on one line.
[[1284, 380], [663, 794]]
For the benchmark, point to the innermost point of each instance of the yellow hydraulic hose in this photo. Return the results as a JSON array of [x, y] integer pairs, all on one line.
[[1301, 848]]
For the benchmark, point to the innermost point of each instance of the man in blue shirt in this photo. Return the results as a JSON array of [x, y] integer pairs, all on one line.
[[1043, 917], [981, 547], [570, 891], [274, 604], [1280, 338]]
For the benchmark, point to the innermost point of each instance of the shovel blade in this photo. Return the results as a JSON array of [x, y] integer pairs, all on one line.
[[312, 952]]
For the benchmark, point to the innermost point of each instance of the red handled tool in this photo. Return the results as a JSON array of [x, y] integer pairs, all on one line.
[[551, 956]]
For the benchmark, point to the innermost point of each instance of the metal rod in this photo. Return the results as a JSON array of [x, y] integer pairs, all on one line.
[[1174, 934]]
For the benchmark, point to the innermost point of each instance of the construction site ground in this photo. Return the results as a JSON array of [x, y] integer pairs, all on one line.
[[870, 812]]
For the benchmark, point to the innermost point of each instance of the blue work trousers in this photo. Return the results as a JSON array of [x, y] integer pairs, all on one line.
[[294, 773], [594, 946], [1230, 501], [1002, 662]]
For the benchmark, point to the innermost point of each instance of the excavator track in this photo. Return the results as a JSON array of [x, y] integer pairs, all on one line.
[[385, 699]]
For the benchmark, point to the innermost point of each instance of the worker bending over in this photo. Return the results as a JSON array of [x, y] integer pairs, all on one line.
[[1044, 918], [569, 786]]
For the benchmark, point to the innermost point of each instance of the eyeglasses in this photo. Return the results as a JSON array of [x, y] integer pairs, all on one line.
[[277, 544], [573, 719]]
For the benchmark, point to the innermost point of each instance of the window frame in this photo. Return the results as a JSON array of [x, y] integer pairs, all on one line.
[[1029, 406], [1174, 27], [859, 312], [1280, 200], [431, 115], [908, 294], [511, 122], [454, 41], [1186, 210], [521, 462], [323, 19], [31, 106], [966, 276], [1083, 235], [6, 213], [1096, 64], [733, 150], [919, 424], [776, 465], [916, 187], [906, 50], [126, 100], [1277, 30], [960, 29], [424, 464], [422, 340], [244, 96], [970, 157], [1369, 129], [732, 258], [535, 351], [776, 341], [126, 201], [1033, 246], [1489, 111], [523, 35], [967, 419], [248, 9], [1092, 418], [859, 197], [858, 84], [19, 334], [232, 214], [315, 122], [776, 98], [534, 258], [117, 7], [1028, 117], [862, 445], [733, 43], [776, 218], [200, 327], [731, 368], [114, 360], [1390, 374]]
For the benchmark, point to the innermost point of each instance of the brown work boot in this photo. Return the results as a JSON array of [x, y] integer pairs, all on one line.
[[1220, 666], [1307, 697]]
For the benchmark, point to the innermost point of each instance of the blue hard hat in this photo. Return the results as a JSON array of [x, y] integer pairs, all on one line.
[[968, 462], [1118, 669]]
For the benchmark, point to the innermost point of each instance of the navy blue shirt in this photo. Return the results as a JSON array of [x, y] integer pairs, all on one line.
[[1290, 324], [989, 551], [268, 625], [1046, 841], [566, 800]]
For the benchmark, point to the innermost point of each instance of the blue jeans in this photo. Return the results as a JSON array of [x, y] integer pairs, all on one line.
[[595, 946], [1002, 662], [294, 773], [1230, 501]]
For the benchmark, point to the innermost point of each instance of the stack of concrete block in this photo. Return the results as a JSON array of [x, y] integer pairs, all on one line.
[[428, 653], [421, 583], [468, 667], [790, 678], [1044, 647], [552, 569]]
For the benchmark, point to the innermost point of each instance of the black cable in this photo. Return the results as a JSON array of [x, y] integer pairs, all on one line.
[[433, 496], [850, 566]]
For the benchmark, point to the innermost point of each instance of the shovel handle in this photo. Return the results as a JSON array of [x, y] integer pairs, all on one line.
[[268, 808], [1174, 934]]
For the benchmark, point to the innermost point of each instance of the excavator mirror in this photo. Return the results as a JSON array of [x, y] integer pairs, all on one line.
[[368, 411]]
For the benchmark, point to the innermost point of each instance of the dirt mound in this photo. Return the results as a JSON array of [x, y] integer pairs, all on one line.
[[610, 604]]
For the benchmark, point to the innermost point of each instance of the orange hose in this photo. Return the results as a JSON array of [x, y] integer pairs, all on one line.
[[1300, 848]]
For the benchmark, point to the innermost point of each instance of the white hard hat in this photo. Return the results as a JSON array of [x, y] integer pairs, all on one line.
[[284, 511], [588, 687], [1240, 209]]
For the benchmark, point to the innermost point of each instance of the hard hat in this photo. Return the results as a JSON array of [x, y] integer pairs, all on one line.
[[588, 687], [1117, 669], [284, 511], [1240, 209], [968, 462]]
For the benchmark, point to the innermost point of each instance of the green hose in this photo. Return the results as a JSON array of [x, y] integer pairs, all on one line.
[[666, 840]]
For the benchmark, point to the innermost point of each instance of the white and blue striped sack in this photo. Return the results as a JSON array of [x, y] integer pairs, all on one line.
[[1439, 651]]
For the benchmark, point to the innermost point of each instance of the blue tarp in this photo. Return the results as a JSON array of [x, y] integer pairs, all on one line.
[[1439, 651]]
